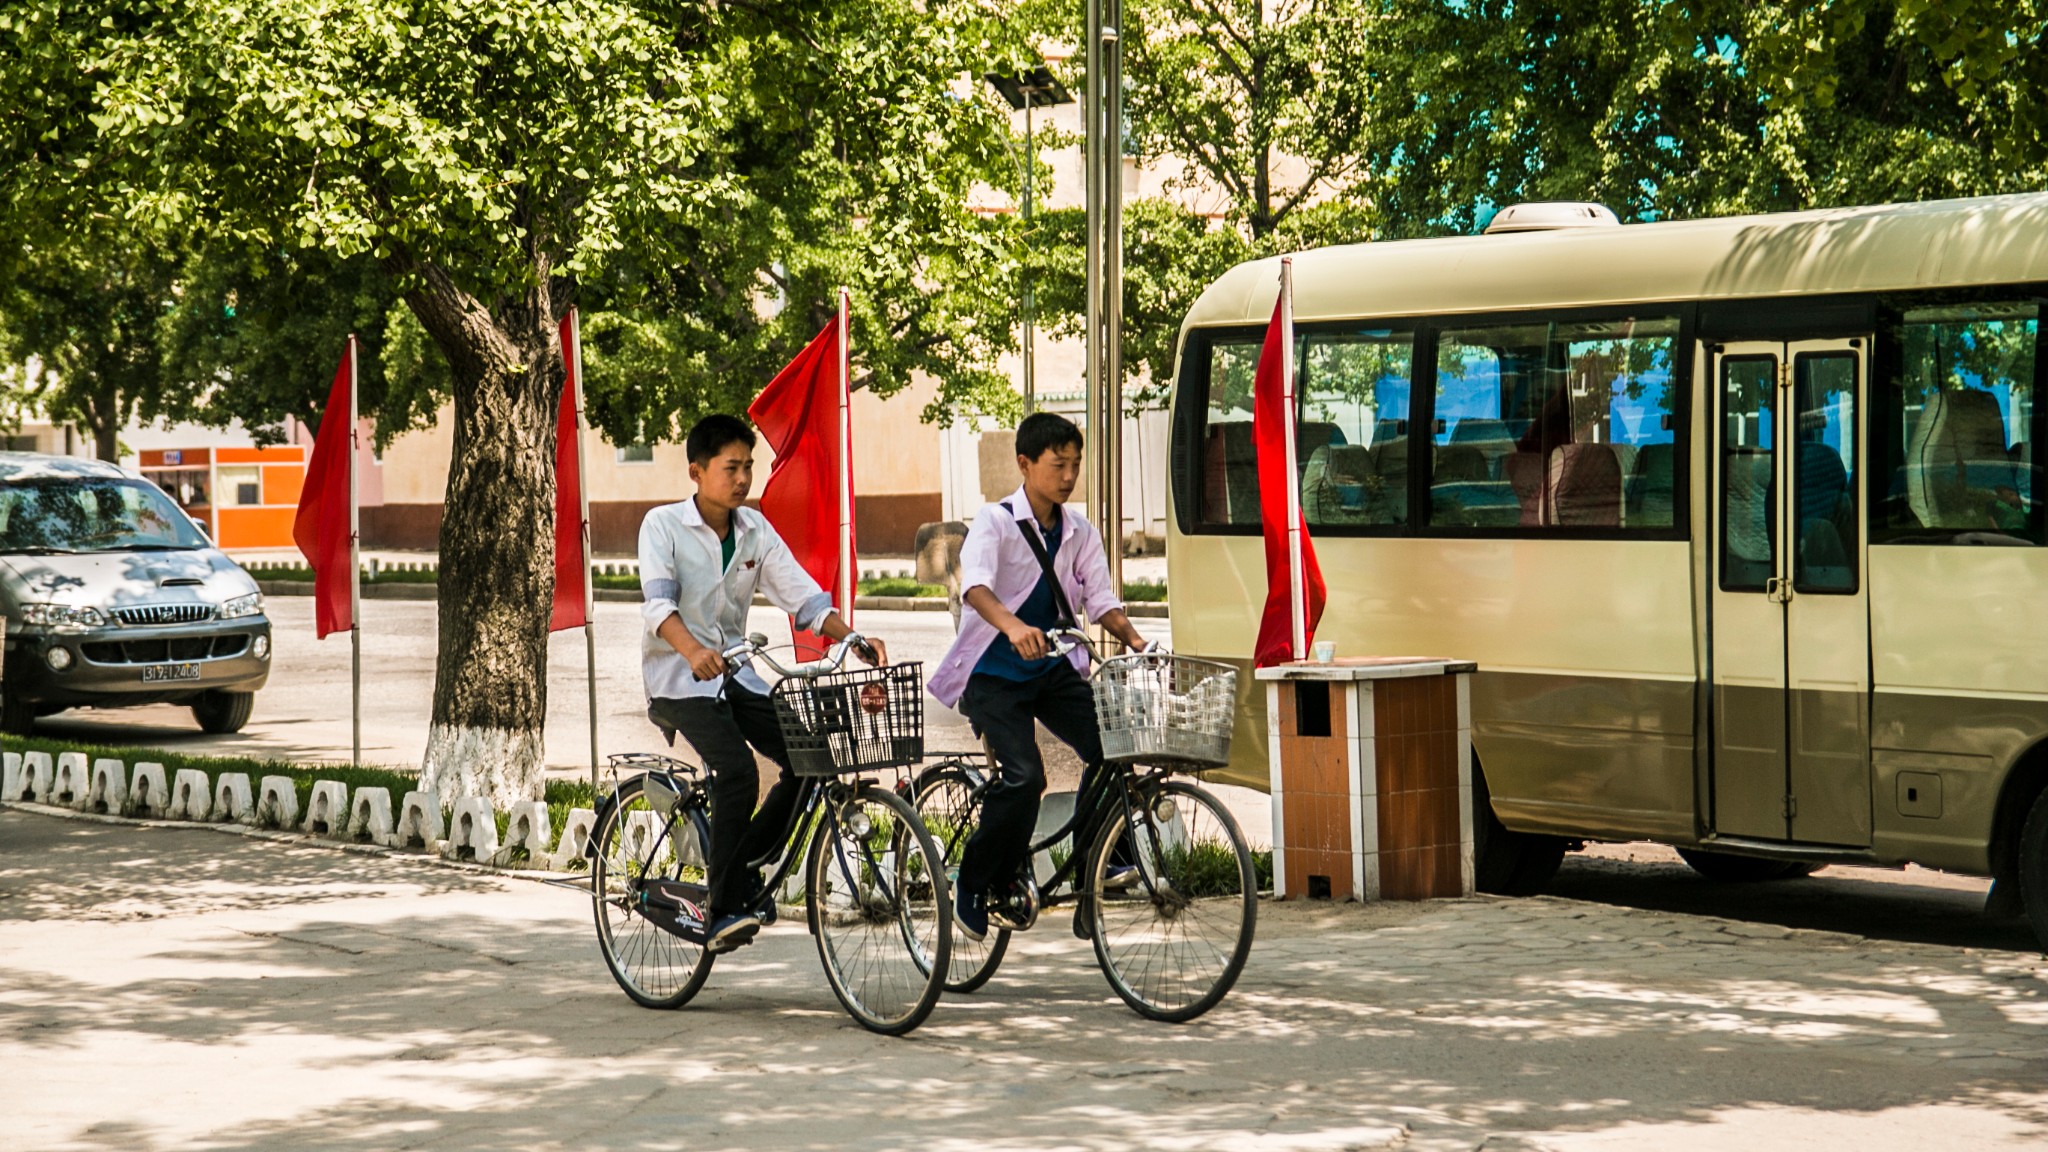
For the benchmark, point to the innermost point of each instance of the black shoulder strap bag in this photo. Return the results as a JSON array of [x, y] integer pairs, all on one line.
[[1029, 527]]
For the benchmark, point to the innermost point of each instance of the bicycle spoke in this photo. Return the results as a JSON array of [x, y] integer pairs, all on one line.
[[1174, 942], [880, 930]]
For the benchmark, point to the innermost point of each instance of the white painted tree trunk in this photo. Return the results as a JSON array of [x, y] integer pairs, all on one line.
[[502, 766]]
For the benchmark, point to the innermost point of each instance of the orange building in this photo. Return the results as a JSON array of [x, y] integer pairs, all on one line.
[[246, 497]]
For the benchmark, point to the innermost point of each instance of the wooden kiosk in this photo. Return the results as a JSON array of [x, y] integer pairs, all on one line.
[[1371, 777]]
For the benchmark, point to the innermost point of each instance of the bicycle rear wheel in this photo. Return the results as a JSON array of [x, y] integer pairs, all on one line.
[[1173, 942], [877, 897], [950, 810], [643, 881]]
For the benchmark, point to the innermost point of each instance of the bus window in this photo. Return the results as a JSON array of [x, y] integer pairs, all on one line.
[[1352, 390], [1229, 463], [1353, 436], [1749, 455], [1824, 521], [1958, 428], [1556, 425]]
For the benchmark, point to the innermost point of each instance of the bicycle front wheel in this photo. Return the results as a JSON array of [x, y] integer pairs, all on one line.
[[877, 900], [649, 872], [950, 808], [1173, 940]]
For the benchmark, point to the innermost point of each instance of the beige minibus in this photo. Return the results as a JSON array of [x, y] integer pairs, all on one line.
[[1739, 517]]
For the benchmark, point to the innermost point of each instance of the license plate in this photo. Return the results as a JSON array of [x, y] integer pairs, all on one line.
[[158, 673]]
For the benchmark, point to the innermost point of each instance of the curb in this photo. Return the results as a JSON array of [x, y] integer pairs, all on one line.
[[299, 839]]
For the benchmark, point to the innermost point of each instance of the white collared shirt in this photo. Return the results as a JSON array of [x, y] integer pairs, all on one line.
[[995, 556], [682, 573]]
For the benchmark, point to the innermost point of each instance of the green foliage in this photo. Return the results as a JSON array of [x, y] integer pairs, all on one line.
[[1144, 591]]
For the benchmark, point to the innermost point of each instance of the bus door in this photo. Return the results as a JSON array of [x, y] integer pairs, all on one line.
[[1790, 625]]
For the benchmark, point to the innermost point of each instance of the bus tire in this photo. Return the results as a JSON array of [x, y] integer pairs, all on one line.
[[1506, 862], [1730, 869], [2034, 867]]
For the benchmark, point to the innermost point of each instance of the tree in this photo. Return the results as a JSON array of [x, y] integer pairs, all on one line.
[[1664, 111], [84, 309], [500, 160]]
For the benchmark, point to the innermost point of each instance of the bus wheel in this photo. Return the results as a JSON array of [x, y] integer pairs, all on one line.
[[2034, 867], [1743, 869], [1506, 862]]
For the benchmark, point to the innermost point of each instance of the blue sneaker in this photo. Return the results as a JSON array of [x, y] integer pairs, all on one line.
[[730, 932], [767, 913], [970, 915]]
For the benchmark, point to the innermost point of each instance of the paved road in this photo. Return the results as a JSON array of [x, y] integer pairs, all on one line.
[[174, 987], [303, 714]]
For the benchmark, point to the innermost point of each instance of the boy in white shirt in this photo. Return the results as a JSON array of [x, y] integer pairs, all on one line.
[[999, 671], [701, 561]]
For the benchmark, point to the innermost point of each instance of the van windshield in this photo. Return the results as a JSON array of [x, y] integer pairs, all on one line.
[[91, 514]]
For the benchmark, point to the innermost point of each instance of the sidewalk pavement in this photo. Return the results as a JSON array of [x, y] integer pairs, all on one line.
[[173, 987]]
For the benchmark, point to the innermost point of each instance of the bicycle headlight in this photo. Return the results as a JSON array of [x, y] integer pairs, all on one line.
[[63, 617], [249, 605]]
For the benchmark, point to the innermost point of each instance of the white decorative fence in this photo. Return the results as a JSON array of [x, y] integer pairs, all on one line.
[[466, 831]]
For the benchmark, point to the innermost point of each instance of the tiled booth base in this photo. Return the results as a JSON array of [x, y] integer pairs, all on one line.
[[1372, 778]]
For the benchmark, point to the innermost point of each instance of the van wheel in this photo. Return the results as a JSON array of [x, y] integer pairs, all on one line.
[[223, 712], [1506, 862], [17, 715], [1730, 869], [2034, 868]]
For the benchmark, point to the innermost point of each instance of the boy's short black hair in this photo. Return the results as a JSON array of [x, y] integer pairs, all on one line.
[[1042, 432], [709, 436]]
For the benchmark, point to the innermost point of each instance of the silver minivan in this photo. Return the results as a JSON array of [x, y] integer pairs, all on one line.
[[114, 597]]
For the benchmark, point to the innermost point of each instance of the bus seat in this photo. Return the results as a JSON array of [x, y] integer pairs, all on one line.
[[1585, 485], [1952, 455], [1230, 473], [1648, 497], [1310, 435], [1333, 487], [1458, 464], [1386, 483], [1490, 438], [1525, 475], [1746, 475]]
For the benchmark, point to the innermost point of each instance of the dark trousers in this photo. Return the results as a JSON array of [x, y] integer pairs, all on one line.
[[1003, 711], [721, 730]]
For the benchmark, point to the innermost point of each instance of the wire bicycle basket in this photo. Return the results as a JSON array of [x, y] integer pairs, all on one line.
[[860, 721], [1161, 709]]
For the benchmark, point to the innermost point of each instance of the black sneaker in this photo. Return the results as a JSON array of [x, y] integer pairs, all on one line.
[[730, 932], [970, 915], [767, 913]]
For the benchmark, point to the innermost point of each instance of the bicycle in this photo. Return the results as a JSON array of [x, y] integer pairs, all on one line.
[[875, 900], [1172, 938]]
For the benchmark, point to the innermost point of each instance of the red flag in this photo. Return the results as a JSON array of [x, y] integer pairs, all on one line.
[[1272, 427], [799, 414], [572, 565], [323, 528]]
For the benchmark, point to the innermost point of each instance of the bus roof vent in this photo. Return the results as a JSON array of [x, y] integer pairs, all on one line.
[[1551, 215]]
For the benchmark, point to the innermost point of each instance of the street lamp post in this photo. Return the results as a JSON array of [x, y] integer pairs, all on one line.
[[1104, 139], [1037, 88]]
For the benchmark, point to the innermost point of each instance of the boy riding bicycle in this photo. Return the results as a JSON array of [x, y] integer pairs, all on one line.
[[1027, 562], [701, 561]]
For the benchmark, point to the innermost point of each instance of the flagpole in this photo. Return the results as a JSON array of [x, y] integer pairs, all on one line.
[[355, 574], [573, 355], [846, 573], [1297, 610]]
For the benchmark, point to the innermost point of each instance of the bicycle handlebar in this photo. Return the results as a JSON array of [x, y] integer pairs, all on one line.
[[1065, 640], [755, 647]]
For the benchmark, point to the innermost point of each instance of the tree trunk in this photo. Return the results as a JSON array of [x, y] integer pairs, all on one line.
[[497, 545]]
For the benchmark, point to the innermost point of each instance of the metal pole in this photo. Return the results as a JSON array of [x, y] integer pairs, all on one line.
[[1105, 277], [573, 357], [1030, 171], [1297, 604], [846, 573], [355, 574]]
